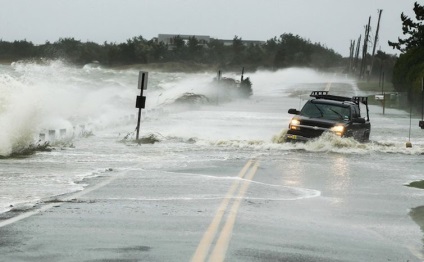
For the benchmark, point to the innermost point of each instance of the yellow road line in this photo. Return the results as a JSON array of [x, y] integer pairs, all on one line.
[[221, 246], [328, 86], [204, 245], [208, 237]]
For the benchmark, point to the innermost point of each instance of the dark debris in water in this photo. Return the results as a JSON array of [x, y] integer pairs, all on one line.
[[149, 139]]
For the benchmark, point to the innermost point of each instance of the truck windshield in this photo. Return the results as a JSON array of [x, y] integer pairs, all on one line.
[[326, 111]]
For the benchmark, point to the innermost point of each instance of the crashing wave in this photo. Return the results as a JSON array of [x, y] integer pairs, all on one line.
[[27, 150]]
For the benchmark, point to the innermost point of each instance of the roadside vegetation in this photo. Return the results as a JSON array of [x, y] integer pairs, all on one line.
[[375, 86], [288, 50], [408, 71]]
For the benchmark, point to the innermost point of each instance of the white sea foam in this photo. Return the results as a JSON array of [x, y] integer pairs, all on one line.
[[332, 143], [51, 96]]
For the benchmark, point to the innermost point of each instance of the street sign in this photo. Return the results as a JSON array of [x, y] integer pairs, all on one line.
[[142, 80], [142, 85], [379, 97], [140, 102]]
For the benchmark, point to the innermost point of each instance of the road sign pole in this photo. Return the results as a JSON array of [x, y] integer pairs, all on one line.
[[141, 100], [138, 124]]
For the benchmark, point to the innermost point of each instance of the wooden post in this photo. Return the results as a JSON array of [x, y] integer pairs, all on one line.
[[375, 41], [365, 48], [358, 48], [351, 51]]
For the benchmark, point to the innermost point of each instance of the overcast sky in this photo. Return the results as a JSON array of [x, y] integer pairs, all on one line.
[[333, 23]]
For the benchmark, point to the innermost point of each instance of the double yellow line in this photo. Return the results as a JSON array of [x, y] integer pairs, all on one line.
[[221, 244], [329, 84]]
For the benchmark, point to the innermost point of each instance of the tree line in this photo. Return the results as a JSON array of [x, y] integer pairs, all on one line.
[[287, 50], [408, 71]]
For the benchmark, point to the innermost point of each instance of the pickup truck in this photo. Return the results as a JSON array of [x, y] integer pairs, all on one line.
[[329, 113]]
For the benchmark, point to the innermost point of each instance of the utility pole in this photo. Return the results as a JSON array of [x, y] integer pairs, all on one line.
[[375, 41], [351, 53], [358, 47], [381, 97], [365, 48]]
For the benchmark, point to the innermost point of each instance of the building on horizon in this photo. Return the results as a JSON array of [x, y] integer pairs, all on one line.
[[168, 39]]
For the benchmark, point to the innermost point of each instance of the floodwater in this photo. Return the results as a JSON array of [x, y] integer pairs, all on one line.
[[92, 111]]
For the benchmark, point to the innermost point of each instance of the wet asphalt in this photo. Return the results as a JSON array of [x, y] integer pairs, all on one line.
[[332, 208]]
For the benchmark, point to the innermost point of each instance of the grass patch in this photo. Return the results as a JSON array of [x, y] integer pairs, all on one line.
[[417, 184]]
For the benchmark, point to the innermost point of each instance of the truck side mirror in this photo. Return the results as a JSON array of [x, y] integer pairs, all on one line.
[[359, 120], [293, 111]]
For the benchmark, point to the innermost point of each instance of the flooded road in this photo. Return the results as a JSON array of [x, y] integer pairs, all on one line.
[[218, 184]]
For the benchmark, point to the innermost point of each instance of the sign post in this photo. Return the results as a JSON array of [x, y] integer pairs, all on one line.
[[382, 92], [421, 123], [141, 100]]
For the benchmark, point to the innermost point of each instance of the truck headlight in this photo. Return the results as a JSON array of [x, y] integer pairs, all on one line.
[[294, 124], [338, 130]]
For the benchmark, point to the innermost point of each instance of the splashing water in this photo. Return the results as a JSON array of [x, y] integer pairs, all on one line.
[[37, 97], [52, 95]]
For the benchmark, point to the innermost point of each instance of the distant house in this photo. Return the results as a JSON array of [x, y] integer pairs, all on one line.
[[168, 39]]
